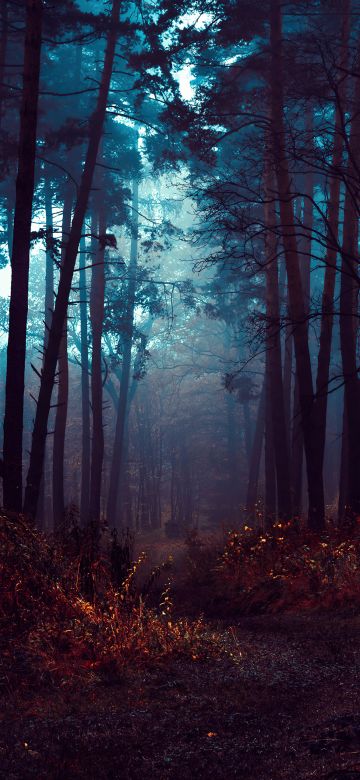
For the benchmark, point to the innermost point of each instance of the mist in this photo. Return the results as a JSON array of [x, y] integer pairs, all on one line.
[[179, 368]]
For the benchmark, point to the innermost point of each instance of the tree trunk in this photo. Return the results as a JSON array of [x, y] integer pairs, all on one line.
[[55, 334], [287, 377], [270, 471], [232, 502], [254, 469], [316, 516], [348, 313], [16, 349], [49, 272], [97, 317], [49, 303], [63, 387], [327, 304], [305, 243], [344, 470], [297, 452], [117, 459], [233, 486], [3, 50], [273, 353], [85, 399]]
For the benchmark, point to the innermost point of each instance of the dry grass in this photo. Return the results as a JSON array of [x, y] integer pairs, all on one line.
[[97, 683], [284, 569], [65, 616]]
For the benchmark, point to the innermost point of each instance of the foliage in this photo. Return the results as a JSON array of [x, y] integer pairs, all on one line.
[[281, 570], [50, 629], [291, 568]]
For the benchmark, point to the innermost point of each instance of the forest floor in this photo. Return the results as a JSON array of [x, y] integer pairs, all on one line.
[[286, 706], [289, 708]]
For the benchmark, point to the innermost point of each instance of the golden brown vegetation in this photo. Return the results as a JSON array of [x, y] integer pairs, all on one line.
[[65, 610], [285, 568]]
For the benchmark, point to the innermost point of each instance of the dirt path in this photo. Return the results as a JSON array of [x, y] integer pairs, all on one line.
[[289, 708]]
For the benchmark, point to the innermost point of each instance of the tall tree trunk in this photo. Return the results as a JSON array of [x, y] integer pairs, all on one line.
[[85, 395], [3, 49], [316, 516], [49, 303], [254, 469], [63, 387], [270, 471], [66, 276], [63, 363], [308, 213], [306, 220], [297, 438], [117, 459], [327, 304], [233, 501], [349, 314], [16, 349], [273, 352], [124, 503], [9, 224], [344, 469], [97, 317], [297, 451], [233, 488], [49, 271], [287, 375], [123, 509]]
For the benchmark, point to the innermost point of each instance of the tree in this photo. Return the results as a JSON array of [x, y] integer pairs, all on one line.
[[349, 288], [16, 350], [117, 458], [97, 294], [273, 347], [60, 309], [310, 425], [62, 385], [85, 399]]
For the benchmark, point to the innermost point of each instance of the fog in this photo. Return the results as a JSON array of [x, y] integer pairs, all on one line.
[[203, 329]]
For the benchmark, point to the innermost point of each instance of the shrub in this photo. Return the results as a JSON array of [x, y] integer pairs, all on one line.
[[63, 613], [288, 567]]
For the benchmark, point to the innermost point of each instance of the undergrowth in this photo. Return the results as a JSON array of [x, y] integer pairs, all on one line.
[[286, 568], [71, 609], [77, 608]]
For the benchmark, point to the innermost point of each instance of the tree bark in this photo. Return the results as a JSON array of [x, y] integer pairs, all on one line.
[[49, 304], [85, 395], [349, 315], [327, 304], [304, 218], [316, 514], [16, 349], [233, 488], [270, 471], [254, 469], [3, 50], [55, 334], [344, 469], [297, 452], [96, 317], [287, 376], [273, 352], [63, 387], [117, 459]]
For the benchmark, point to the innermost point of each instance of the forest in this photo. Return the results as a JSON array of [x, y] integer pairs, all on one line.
[[179, 389]]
